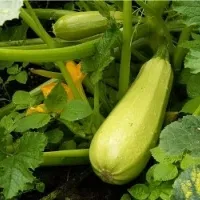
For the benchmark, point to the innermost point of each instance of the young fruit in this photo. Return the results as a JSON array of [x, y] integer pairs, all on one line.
[[81, 25]]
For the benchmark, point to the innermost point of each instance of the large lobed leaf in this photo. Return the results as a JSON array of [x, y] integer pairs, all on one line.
[[15, 168], [182, 136]]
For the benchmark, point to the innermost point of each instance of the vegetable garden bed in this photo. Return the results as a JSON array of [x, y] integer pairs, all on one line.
[[99, 100]]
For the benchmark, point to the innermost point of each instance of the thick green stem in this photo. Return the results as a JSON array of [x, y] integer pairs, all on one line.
[[126, 49], [27, 18], [49, 55], [156, 22], [45, 36], [180, 52], [51, 44], [96, 105], [66, 157], [51, 14]]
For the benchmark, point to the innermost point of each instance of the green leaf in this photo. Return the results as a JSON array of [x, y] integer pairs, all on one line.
[[166, 190], [189, 10], [165, 172], [33, 121], [102, 57], [186, 186], [139, 191], [189, 161], [182, 136], [22, 77], [76, 110], [161, 156], [5, 64], [192, 61], [9, 122], [150, 177], [155, 193], [70, 144], [15, 169], [22, 99], [125, 197], [13, 70], [57, 99], [184, 76], [193, 88], [54, 136], [191, 105]]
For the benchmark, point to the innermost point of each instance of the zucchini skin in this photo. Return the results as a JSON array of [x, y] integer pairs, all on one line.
[[80, 25], [120, 149]]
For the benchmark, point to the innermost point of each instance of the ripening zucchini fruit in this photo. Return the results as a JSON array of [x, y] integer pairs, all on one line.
[[80, 25], [120, 149]]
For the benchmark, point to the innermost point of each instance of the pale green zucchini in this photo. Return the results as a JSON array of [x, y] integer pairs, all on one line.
[[82, 25], [121, 147]]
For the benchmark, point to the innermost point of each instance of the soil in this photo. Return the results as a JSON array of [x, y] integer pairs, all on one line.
[[73, 183]]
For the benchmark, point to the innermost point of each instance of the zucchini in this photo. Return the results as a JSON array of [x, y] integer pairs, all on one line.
[[82, 25], [120, 149]]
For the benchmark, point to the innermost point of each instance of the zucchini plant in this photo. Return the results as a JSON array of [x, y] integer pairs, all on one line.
[[113, 81]]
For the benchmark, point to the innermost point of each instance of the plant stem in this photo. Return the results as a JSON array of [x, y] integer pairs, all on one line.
[[35, 23], [27, 18], [51, 14], [96, 105], [157, 22], [124, 75], [6, 109], [66, 157], [49, 55], [45, 36], [179, 52]]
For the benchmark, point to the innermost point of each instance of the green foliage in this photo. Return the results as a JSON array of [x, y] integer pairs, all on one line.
[[189, 161], [54, 136], [186, 186], [33, 121], [57, 99], [22, 99], [164, 172], [76, 110], [15, 168], [17, 73], [139, 191], [189, 10], [191, 105], [193, 89], [161, 156], [103, 56], [181, 136]]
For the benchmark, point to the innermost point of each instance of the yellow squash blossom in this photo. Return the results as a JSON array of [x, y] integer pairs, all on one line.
[[77, 77]]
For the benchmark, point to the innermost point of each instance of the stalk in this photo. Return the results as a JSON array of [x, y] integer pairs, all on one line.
[[96, 105], [157, 21], [49, 55], [51, 14], [66, 157], [35, 24], [179, 52], [126, 49], [45, 36]]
